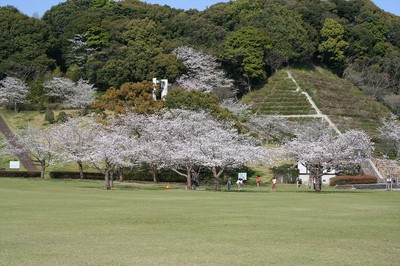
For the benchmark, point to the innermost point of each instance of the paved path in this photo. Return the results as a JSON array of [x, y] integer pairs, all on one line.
[[23, 157], [313, 105]]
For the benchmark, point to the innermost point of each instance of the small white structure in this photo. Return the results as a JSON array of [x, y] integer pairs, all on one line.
[[164, 87], [304, 175], [242, 176], [14, 164]]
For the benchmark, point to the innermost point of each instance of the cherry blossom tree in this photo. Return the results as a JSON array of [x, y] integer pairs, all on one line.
[[13, 91], [105, 144], [131, 127], [108, 150], [75, 139], [224, 148], [38, 143], [204, 72], [390, 130], [272, 128], [73, 95], [320, 152], [196, 139], [153, 147], [59, 87], [178, 132]]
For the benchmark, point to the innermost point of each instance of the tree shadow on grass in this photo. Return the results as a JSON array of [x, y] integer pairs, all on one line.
[[335, 192]]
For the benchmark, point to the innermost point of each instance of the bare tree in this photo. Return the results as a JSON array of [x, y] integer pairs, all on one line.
[[372, 80]]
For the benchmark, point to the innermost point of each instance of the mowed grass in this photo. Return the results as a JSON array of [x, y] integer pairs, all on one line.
[[47, 222]]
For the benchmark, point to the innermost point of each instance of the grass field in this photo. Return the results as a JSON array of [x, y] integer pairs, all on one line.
[[45, 222]]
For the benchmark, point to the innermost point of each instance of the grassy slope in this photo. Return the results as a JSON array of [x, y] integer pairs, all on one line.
[[278, 97], [78, 223], [346, 105], [19, 121]]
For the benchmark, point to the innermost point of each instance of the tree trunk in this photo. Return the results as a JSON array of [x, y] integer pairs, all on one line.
[[317, 171], [317, 184], [187, 175], [318, 179], [189, 178], [216, 178], [80, 166], [112, 179], [120, 174], [248, 84], [107, 181], [43, 165], [153, 170]]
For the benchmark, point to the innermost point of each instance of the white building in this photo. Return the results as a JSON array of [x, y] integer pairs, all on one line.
[[304, 175]]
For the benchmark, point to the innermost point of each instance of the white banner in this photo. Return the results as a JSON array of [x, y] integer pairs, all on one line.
[[242, 176], [14, 164]]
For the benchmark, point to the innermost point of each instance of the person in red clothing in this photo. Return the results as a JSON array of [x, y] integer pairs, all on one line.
[[258, 180]]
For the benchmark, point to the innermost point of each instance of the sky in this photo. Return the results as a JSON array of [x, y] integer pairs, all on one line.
[[37, 8]]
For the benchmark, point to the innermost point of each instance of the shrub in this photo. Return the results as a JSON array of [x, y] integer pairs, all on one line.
[[358, 179], [24, 174], [49, 116], [62, 117]]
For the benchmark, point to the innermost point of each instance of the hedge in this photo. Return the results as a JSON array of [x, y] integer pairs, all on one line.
[[75, 175], [358, 179], [24, 174], [143, 174], [139, 174]]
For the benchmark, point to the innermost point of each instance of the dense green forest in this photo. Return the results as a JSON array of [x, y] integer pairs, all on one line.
[[110, 43]]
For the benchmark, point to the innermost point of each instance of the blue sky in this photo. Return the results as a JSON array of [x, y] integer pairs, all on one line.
[[38, 7]]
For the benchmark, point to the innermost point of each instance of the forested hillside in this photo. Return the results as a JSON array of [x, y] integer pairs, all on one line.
[[110, 43]]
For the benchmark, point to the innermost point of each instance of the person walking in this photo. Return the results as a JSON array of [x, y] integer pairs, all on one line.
[[273, 184], [258, 180], [239, 184], [229, 183]]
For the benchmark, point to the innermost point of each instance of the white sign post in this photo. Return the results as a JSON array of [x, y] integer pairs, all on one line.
[[14, 164], [242, 176]]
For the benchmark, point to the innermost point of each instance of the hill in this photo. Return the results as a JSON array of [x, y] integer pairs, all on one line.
[[112, 42], [345, 105]]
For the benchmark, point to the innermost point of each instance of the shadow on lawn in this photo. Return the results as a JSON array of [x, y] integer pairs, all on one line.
[[334, 191]]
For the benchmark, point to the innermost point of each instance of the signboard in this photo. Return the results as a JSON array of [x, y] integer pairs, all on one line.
[[14, 164], [242, 176]]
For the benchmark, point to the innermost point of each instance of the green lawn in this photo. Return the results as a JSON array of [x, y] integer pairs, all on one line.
[[47, 222]]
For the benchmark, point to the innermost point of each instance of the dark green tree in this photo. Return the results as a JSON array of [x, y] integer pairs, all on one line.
[[246, 49], [24, 45], [332, 49]]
